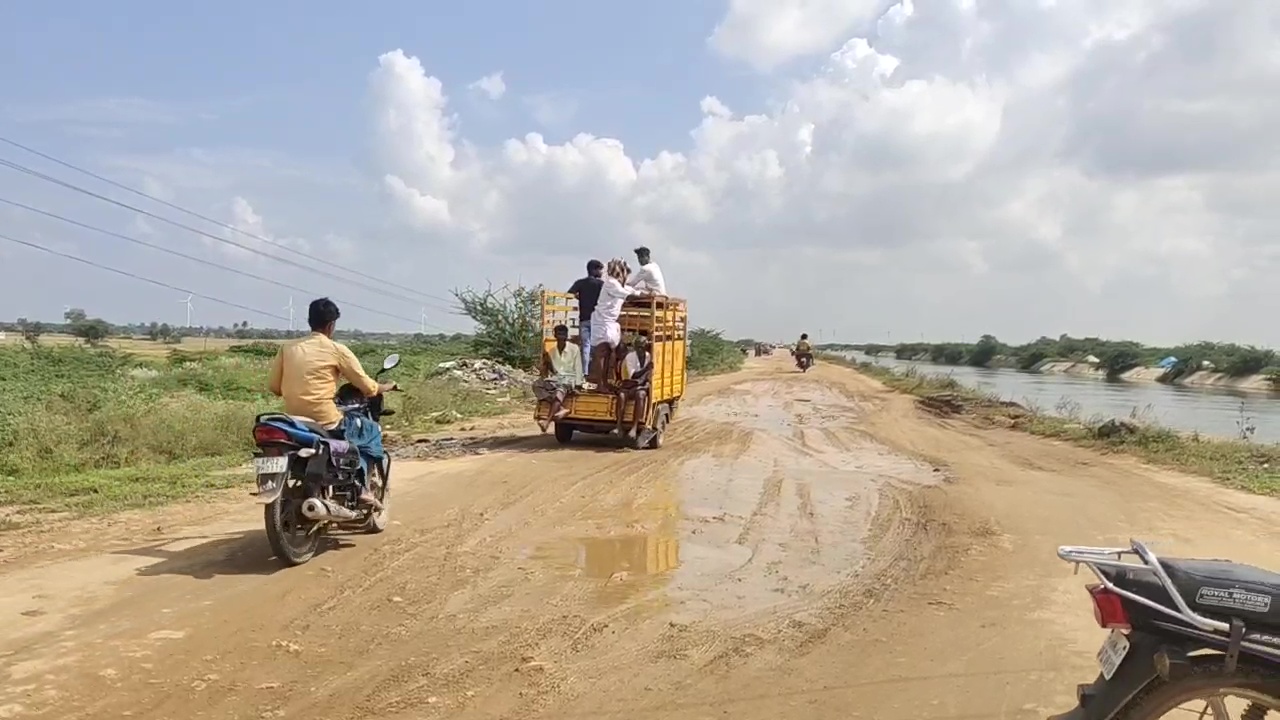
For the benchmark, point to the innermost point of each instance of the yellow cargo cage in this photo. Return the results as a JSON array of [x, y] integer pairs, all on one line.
[[665, 319]]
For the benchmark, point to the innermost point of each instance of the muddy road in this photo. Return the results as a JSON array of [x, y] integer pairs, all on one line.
[[804, 546]]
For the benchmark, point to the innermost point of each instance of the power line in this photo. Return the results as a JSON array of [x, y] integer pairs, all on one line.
[[202, 261], [49, 178], [126, 273], [192, 213]]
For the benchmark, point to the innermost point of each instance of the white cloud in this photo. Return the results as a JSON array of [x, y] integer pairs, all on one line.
[[253, 234], [769, 33], [492, 86], [960, 165]]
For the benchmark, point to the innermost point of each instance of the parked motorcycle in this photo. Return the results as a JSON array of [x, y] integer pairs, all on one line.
[[310, 481], [1198, 635]]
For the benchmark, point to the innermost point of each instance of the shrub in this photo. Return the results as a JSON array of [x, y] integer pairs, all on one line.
[[508, 323], [710, 352]]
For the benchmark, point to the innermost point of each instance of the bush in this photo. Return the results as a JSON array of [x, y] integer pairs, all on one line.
[[256, 349], [710, 352], [1031, 357], [984, 351], [1120, 359], [508, 323], [1248, 361]]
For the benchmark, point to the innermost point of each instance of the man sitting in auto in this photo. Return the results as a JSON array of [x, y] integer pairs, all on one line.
[[561, 374]]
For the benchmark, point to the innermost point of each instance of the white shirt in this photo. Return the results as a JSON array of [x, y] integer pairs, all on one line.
[[609, 306], [632, 363], [649, 278]]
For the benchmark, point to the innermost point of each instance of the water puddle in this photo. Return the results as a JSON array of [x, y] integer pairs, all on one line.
[[609, 557], [780, 523]]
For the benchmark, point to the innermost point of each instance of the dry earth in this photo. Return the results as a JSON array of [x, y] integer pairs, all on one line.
[[804, 546]]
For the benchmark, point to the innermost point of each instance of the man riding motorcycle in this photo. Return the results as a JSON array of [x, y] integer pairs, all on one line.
[[305, 374], [803, 350]]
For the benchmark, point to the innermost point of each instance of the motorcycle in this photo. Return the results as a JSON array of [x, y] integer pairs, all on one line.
[[1197, 633], [309, 482], [804, 361]]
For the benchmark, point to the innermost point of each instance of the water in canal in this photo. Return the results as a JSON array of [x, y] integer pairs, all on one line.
[[1208, 411]]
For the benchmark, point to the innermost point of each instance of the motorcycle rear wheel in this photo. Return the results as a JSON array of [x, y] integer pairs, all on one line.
[[290, 536], [1255, 690]]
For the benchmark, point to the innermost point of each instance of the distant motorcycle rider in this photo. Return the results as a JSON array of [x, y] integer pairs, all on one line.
[[305, 374], [803, 350]]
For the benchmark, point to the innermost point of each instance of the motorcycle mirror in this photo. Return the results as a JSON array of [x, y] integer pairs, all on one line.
[[391, 361]]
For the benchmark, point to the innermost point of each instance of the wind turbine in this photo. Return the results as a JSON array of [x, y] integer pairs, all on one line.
[[289, 307], [187, 302]]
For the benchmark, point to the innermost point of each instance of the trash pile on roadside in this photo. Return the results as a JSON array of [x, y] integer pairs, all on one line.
[[486, 375]]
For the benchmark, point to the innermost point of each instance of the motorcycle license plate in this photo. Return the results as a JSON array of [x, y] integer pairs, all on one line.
[[1112, 653], [271, 465]]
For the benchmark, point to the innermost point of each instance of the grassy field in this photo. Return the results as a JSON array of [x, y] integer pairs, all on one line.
[[94, 430], [1235, 463], [134, 346]]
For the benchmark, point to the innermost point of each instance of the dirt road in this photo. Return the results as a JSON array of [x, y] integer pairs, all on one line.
[[804, 546]]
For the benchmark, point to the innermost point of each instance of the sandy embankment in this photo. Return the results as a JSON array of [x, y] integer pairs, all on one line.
[[1256, 383]]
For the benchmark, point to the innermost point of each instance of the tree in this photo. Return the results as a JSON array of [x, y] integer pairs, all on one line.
[[31, 331], [984, 351], [508, 323], [74, 315], [91, 330]]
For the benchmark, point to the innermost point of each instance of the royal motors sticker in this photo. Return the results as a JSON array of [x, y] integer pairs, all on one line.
[[1233, 599]]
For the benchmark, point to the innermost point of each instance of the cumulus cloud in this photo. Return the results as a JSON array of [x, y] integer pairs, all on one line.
[[253, 234], [769, 33], [492, 86], [968, 160]]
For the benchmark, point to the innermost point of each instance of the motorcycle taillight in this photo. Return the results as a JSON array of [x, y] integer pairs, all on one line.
[[1108, 608], [266, 434]]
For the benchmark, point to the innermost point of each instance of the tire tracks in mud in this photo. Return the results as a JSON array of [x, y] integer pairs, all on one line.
[[453, 611]]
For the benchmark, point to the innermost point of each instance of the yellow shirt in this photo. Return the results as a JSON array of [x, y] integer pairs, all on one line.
[[305, 373]]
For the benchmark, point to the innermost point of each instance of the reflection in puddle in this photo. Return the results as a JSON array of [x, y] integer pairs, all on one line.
[[633, 554]]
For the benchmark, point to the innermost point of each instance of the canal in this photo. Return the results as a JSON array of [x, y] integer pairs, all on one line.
[[1216, 411]]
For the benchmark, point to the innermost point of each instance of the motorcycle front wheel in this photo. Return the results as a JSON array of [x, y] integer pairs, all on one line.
[[380, 483], [1209, 692], [288, 532]]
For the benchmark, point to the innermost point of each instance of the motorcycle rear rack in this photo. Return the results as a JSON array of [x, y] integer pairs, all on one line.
[[1233, 635]]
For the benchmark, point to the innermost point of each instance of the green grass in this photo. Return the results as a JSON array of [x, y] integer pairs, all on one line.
[[1254, 467], [98, 430]]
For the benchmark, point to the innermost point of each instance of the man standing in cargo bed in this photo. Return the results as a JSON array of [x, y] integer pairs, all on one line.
[[587, 290], [605, 330]]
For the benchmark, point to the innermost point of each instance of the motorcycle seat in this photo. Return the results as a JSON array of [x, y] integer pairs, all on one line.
[[317, 428], [1213, 587]]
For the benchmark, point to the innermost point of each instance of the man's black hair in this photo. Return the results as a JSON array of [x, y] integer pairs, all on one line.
[[642, 250], [594, 265], [804, 336], [321, 312], [560, 327]]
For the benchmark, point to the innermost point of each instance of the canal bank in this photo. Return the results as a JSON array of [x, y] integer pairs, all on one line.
[[1201, 379], [1215, 411]]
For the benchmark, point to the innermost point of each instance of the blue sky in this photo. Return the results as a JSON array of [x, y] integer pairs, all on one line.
[[289, 81], [291, 75]]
